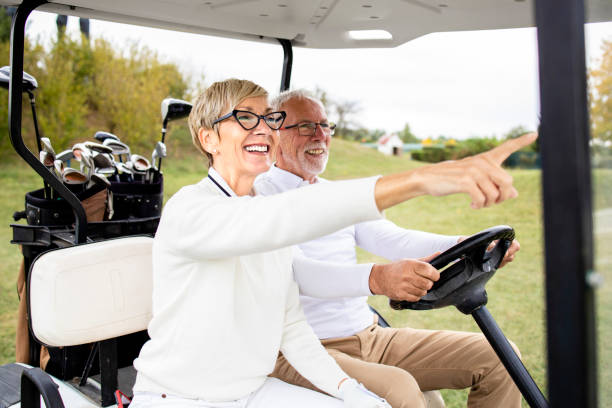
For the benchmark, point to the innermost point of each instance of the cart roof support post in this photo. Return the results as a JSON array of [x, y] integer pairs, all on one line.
[[566, 185], [14, 107], [287, 63]]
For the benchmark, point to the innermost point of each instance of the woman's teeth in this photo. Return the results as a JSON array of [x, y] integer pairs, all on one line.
[[257, 148]]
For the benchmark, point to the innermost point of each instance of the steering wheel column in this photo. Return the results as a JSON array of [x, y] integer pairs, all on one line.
[[468, 267]]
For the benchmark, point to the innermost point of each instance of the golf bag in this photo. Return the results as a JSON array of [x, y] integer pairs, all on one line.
[[123, 209]]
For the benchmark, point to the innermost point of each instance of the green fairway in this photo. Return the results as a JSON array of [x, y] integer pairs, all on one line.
[[516, 293]]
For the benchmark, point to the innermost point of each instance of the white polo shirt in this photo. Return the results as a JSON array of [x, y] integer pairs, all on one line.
[[334, 290]]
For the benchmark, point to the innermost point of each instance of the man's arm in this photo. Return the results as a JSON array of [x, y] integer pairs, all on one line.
[[386, 239], [330, 280], [406, 279]]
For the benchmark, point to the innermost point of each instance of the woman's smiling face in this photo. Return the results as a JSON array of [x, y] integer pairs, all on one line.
[[245, 153]]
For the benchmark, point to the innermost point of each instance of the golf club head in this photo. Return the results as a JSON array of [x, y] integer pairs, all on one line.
[[65, 156], [98, 147], [29, 82], [47, 159], [46, 145], [73, 176], [123, 168], [119, 148], [75, 180], [59, 168], [84, 156], [102, 136], [140, 167], [97, 178], [139, 163], [159, 152], [172, 109], [102, 160]]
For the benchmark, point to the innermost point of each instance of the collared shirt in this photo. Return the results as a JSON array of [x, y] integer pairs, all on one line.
[[334, 290]]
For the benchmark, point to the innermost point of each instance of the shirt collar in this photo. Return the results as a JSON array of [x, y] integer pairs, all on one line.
[[214, 174], [285, 179]]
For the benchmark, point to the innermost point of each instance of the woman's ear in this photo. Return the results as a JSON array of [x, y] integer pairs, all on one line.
[[208, 140]]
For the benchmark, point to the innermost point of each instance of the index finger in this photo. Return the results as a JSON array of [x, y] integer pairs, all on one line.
[[427, 271], [501, 152]]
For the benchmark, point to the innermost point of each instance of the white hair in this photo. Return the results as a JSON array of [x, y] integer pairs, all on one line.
[[281, 99]]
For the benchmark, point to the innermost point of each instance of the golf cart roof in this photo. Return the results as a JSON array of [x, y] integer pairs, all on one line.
[[315, 24]]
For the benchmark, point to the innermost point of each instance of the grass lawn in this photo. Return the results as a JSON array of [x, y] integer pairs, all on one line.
[[516, 293]]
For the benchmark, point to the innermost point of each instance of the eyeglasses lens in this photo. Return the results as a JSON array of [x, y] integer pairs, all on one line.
[[250, 120], [274, 120], [309, 129]]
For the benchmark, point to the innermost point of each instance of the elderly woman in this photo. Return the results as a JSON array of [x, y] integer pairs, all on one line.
[[224, 299]]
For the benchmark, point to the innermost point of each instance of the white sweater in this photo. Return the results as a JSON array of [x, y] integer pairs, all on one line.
[[224, 298]]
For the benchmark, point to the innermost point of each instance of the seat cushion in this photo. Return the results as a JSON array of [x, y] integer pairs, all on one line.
[[91, 292]]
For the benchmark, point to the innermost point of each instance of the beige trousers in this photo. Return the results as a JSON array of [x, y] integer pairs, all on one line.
[[397, 364]]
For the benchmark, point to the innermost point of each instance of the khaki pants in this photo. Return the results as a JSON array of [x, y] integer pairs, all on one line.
[[397, 364]]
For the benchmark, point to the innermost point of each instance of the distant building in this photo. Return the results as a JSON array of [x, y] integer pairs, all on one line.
[[391, 144]]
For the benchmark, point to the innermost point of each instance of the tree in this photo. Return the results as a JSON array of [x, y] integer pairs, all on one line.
[[407, 136], [600, 78], [344, 110], [321, 94], [5, 24], [520, 131]]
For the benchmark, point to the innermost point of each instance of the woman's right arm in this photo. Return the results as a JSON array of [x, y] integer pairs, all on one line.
[[203, 225], [200, 224]]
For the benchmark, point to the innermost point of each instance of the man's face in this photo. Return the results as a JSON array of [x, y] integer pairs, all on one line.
[[305, 156]]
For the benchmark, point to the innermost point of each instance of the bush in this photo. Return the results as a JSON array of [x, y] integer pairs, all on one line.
[[461, 149]]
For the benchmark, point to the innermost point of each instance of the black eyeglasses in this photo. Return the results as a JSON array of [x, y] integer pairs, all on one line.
[[310, 128], [249, 120]]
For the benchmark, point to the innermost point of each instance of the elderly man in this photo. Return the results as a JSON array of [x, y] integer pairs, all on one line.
[[397, 364]]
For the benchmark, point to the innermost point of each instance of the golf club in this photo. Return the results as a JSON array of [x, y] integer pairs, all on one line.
[[98, 147], [172, 109], [158, 153], [29, 84], [65, 156], [47, 157], [59, 168], [140, 166], [122, 169], [84, 156], [97, 178], [102, 136], [74, 179], [118, 148]]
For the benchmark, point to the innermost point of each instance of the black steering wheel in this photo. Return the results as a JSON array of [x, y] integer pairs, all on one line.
[[462, 283]]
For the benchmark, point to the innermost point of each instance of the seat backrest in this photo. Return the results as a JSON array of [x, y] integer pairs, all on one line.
[[91, 292]]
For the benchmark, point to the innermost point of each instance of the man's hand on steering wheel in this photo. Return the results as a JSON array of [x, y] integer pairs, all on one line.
[[407, 279], [509, 257]]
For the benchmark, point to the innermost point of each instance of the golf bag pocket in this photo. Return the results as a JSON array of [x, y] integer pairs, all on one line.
[[137, 200], [46, 212]]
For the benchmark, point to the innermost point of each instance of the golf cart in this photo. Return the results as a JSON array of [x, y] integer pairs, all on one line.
[[62, 320]]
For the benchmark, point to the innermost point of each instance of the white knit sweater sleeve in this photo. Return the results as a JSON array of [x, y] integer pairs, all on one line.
[[322, 279], [304, 351], [215, 226], [386, 239]]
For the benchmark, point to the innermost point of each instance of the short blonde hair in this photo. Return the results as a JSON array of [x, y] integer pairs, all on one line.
[[217, 100]]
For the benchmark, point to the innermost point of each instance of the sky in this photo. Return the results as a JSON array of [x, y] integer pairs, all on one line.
[[460, 84]]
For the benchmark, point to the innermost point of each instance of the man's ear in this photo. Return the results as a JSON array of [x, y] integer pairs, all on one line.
[[208, 140]]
